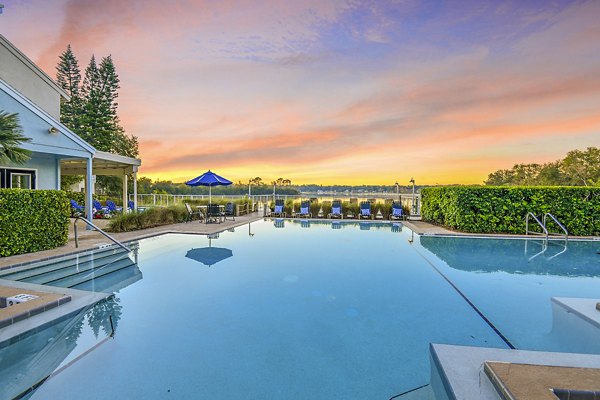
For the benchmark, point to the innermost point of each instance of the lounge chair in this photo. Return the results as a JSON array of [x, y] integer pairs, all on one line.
[[76, 209], [397, 212], [336, 210], [213, 213], [304, 210], [191, 213], [229, 211], [365, 210], [112, 207], [98, 209], [279, 223], [279, 208]]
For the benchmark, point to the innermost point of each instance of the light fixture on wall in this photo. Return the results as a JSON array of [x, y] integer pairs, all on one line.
[[52, 130]]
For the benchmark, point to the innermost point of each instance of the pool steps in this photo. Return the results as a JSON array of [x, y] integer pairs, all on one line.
[[73, 271]]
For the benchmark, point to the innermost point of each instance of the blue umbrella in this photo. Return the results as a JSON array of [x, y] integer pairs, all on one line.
[[209, 179]]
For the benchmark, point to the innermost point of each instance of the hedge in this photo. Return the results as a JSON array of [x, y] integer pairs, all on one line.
[[485, 209], [33, 220]]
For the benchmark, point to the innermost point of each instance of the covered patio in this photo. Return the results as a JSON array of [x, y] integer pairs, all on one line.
[[103, 163]]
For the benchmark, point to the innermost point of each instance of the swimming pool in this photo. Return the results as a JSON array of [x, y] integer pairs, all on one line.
[[291, 309]]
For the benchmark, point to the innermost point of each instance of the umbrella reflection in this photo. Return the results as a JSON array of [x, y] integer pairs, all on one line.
[[209, 255]]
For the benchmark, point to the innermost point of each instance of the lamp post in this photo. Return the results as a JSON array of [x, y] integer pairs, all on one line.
[[413, 211]]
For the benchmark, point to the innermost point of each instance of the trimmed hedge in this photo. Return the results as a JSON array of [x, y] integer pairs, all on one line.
[[485, 209], [33, 220]]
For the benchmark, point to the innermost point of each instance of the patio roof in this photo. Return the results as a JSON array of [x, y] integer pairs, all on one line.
[[102, 164]]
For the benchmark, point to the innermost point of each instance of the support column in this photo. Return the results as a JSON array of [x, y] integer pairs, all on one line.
[[89, 191], [125, 193], [135, 199], [58, 174]]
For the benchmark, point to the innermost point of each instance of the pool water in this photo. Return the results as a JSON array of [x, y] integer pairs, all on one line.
[[291, 309]]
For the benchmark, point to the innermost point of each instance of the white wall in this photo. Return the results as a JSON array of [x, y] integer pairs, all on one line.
[[22, 77]]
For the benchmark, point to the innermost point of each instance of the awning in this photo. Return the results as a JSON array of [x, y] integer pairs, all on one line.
[[102, 164]]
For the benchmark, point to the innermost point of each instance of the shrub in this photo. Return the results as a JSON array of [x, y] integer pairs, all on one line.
[[33, 220], [149, 218], [503, 209]]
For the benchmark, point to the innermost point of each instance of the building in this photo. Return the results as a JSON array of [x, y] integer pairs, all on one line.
[[28, 91]]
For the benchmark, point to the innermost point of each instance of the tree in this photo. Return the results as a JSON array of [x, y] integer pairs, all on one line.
[[68, 77], [582, 167], [11, 139]]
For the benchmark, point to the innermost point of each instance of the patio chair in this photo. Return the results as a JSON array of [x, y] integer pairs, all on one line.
[[365, 210], [279, 211], [229, 211], [112, 207], [213, 213], [131, 206], [336, 210], [304, 210], [191, 213], [98, 210], [397, 212], [76, 209]]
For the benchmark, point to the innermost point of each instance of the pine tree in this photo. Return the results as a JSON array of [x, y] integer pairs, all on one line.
[[68, 77]]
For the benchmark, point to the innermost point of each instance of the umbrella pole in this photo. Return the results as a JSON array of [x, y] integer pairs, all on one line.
[[209, 194]]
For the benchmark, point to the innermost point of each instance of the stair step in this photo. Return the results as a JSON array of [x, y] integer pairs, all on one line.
[[41, 276], [95, 274]]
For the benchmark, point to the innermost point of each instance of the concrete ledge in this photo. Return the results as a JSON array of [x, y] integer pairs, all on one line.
[[79, 300], [457, 371]]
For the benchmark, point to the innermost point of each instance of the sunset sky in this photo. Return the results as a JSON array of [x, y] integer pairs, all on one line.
[[348, 92]]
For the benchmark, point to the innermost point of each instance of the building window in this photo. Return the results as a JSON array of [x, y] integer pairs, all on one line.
[[17, 178]]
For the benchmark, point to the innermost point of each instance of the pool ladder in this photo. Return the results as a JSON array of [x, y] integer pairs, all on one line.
[[546, 233]]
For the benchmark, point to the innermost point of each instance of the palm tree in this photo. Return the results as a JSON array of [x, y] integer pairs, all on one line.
[[11, 137]]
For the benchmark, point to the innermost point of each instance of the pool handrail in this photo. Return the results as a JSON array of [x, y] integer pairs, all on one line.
[[106, 235], [527, 232]]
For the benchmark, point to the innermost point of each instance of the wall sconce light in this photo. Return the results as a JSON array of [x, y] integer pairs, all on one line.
[[52, 130]]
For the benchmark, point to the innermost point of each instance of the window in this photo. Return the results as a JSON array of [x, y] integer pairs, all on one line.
[[21, 181], [17, 178]]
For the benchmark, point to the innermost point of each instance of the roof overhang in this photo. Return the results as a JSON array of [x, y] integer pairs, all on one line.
[[102, 164]]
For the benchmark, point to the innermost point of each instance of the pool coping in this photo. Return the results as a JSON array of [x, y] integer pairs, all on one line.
[[457, 371], [80, 299]]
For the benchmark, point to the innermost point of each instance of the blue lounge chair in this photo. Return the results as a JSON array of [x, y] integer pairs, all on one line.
[[76, 209], [229, 211], [304, 210], [112, 207], [336, 209], [98, 207], [365, 210], [397, 212], [279, 212]]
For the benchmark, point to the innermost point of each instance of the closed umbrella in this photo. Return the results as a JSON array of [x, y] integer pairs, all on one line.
[[209, 179]]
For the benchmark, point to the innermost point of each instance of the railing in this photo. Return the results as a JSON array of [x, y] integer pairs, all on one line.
[[407, 199], [527, 231], [553, 218], [106, 235]]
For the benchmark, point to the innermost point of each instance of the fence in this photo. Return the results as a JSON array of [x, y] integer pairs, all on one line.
[[407, 199]]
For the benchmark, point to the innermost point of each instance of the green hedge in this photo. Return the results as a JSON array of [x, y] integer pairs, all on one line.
[[33, 220], [503, 209]]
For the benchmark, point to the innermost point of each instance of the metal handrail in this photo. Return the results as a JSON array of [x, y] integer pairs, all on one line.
[[106, 235], [557, 223], [527, 232]]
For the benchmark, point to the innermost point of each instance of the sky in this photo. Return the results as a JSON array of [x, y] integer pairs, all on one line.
[[335, 92]]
